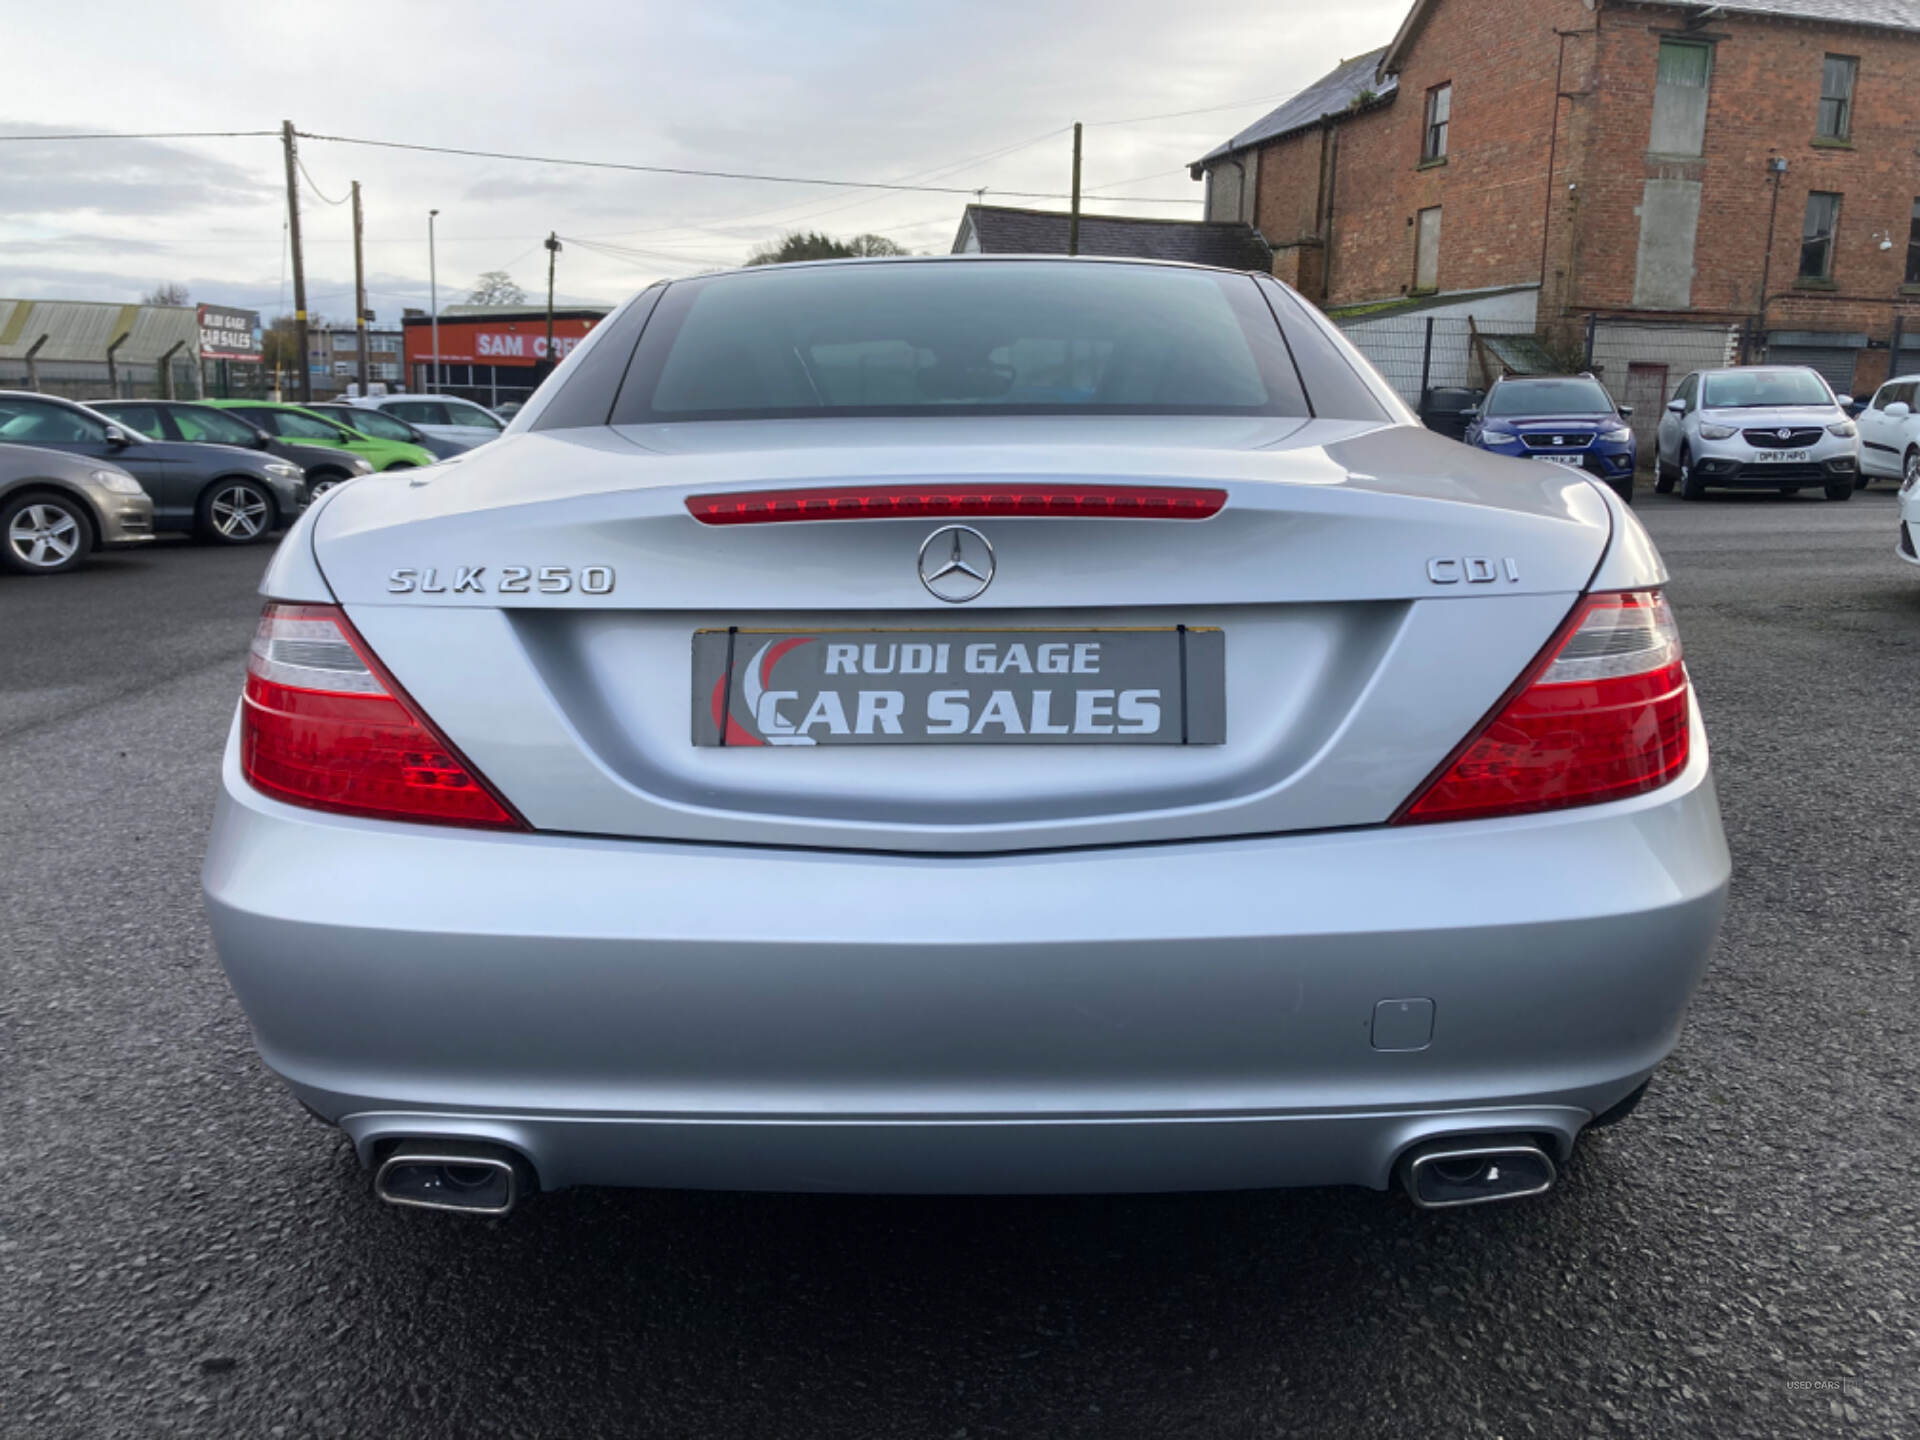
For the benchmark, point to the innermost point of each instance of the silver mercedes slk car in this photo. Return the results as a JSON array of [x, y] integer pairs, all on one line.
[[967, 725]]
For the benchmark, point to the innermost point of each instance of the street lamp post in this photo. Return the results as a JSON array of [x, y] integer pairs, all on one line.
[[433, 299]]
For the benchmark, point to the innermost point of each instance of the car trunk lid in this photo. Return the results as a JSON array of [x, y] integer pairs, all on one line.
[[1362, 597]]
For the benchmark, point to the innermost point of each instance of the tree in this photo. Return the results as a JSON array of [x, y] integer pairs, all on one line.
[[496, 287], [279, 343], [168, 292], [812, 245]]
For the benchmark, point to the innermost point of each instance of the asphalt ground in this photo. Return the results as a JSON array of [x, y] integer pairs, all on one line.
[[183, 1252]]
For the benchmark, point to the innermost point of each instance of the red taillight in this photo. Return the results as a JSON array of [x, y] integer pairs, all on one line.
[[920, 502], [323, 724], [1601, 715]]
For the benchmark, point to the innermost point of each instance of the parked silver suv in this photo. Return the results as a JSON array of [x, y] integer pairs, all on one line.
[[1773, 427]]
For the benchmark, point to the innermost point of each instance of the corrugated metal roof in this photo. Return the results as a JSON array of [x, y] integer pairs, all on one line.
[[1332, 94], [82, 330], [1007, 230]]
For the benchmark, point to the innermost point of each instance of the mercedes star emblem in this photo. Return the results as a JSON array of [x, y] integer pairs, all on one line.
[[956, 564]]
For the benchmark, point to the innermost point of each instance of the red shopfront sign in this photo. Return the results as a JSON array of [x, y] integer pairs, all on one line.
[[494, 342]]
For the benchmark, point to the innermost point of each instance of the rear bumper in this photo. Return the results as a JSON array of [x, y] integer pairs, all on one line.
[[1182, 1016]]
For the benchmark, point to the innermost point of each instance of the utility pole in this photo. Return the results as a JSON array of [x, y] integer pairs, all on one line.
[[433, 292], [303, 367], [1073, 220], [553, 253], [359, 293]]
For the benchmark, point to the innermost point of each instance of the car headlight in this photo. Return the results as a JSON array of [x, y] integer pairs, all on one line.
[[117, 481], [1618, 436], [1845, 429], [284, 470], [1716, 432], [362, 467]]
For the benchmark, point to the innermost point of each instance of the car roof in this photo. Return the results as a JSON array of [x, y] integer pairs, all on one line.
[[973, 258], [1536, 379], [37, 395]]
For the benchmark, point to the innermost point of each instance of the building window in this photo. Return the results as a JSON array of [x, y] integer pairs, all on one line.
[[1836, 97], [1816, 236], [1680, 98], [1439, 106], [1913, 246], [1426, 250]]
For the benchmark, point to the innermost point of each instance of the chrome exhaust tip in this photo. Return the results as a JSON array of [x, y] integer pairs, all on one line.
[[1475, 1170], [472, 1180]]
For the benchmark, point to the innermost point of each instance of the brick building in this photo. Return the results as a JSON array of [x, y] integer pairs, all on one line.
[[1749, 169]]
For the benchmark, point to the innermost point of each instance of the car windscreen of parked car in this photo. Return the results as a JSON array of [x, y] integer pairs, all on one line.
[[292, 425], [369, 421], [1757, 389], [996, 337], [28, 423], [213, 427], [1549, 397]]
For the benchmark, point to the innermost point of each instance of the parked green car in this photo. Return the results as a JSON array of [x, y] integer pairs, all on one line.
[[304, 427]]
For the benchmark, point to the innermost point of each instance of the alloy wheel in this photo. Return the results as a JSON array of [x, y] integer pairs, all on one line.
[[1910, 476], [45, 536], [238, 513]]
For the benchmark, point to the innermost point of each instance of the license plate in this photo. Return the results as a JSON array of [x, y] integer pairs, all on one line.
[[1161, 686], [1561, 459], [1785, 457]]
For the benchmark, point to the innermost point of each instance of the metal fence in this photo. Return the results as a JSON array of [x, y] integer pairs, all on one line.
[[94, 380], [1418, 354], [1436, 363], [1642, 362]]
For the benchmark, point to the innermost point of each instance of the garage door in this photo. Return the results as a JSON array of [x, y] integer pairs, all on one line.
[[1832, 361]]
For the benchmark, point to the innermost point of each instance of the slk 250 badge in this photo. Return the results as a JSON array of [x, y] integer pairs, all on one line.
[[512, 580]]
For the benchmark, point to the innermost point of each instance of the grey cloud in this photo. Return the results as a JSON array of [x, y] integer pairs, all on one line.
[[120, 177], [85, 243]]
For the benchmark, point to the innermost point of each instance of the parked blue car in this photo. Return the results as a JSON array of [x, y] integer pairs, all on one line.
[[1568, 419]]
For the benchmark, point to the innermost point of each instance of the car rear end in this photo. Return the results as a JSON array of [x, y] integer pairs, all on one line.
[[1187, 793], [1907, 547]]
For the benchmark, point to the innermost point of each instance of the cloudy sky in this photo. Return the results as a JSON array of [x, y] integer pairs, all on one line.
[[971, 95]]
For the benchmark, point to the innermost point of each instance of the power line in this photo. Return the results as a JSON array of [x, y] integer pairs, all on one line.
[[156, 135], [1205, 110], [634, 168], [314, 185], [1086, 191]]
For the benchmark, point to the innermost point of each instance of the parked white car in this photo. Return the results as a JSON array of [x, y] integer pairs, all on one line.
[[1909, 547], [1774, 427], [1890, 432], [444, 416]]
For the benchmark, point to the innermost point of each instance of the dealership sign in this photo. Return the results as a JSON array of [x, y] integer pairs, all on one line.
[[229, 334], [509, 347], [494, 342]]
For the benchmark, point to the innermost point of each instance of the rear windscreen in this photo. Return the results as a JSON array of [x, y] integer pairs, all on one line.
[[987, 337]]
